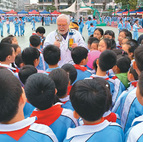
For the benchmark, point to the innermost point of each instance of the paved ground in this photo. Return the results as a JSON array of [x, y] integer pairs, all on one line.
[[24, 40]]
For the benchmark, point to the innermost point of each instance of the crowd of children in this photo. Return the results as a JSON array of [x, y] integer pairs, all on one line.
[[98, 98]]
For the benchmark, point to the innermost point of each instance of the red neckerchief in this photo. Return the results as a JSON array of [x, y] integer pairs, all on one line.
[[102, 119], [17, 134], [69, 89], [114, 77], [105, 78], [48, 116], [134, 83], [92, 26], [15, 71], [80, 67], [111, 117], [119, 47]]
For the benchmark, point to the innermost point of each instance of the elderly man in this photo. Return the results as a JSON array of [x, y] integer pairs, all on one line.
[[60, 38]]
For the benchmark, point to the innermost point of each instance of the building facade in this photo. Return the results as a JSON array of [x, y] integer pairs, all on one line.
[[6, 5], [62, 4]]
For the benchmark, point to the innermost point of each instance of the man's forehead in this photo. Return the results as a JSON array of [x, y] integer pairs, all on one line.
[[62, 20]]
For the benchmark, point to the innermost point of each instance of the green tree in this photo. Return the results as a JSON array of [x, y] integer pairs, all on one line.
[[132, 3], [51, 8]]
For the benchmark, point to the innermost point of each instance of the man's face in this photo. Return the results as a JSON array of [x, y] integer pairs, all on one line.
[[62, 25]]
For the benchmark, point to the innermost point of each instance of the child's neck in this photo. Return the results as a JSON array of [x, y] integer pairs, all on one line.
[[100, 72], [53, 66], [93, 122], [18, 117], [5, 62]]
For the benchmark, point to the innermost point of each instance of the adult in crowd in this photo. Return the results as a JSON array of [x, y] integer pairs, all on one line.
[[61, 36]]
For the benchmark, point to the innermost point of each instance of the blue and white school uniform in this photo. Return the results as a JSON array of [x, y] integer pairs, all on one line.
[[135, 31], [130, 108], [135, 133], [103, 132], [82, 72], [26, 130], [116, 86], [57, 118]]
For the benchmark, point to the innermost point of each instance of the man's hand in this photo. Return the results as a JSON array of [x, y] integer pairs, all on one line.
[[57, 43], [74, 45]]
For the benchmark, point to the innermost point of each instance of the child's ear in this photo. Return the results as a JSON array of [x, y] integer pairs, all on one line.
[[114, 68], [131, 76], [56, 91], [23, 99], [97, 61], [75, 114], [134, 65]]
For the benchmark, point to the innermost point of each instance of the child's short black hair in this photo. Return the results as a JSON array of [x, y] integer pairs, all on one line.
[[5, 50], [25, 72], [107, 42], [119, 52], [41, 30], [91, 24], [51, 54], [15, 46], [105, 83], [61, 79], [100, 30], [18, 60], [29, 54], [113, 44], [40, 91], [133, 44], [92, 39], [78, 54], [7, 40], [107, 60], [133, 72], [95, 65], [127, 33], [140, 83], [35, 40], [139, 57], [123, 63], [110, 32], [89, 99], [70, 69], [10, 92]]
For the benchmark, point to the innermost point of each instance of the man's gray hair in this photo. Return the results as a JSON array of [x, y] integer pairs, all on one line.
[[64, 16]]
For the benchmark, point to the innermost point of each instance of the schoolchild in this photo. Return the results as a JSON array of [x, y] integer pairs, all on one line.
[[109, 34], [42, 97], [72, 73], [23, 74], [13, 126], [91, 29], [80, 58], [61, 80], [35, 42], [134, 134], [89, 99], [105, 62], [130, 47], [90, 40], [123, 34], [30, 56], [10, 39], [104, 44], [98, 33], [52, 56], [130, 108], [16, 25], [121, 69], [7, 56], [136, 26]]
